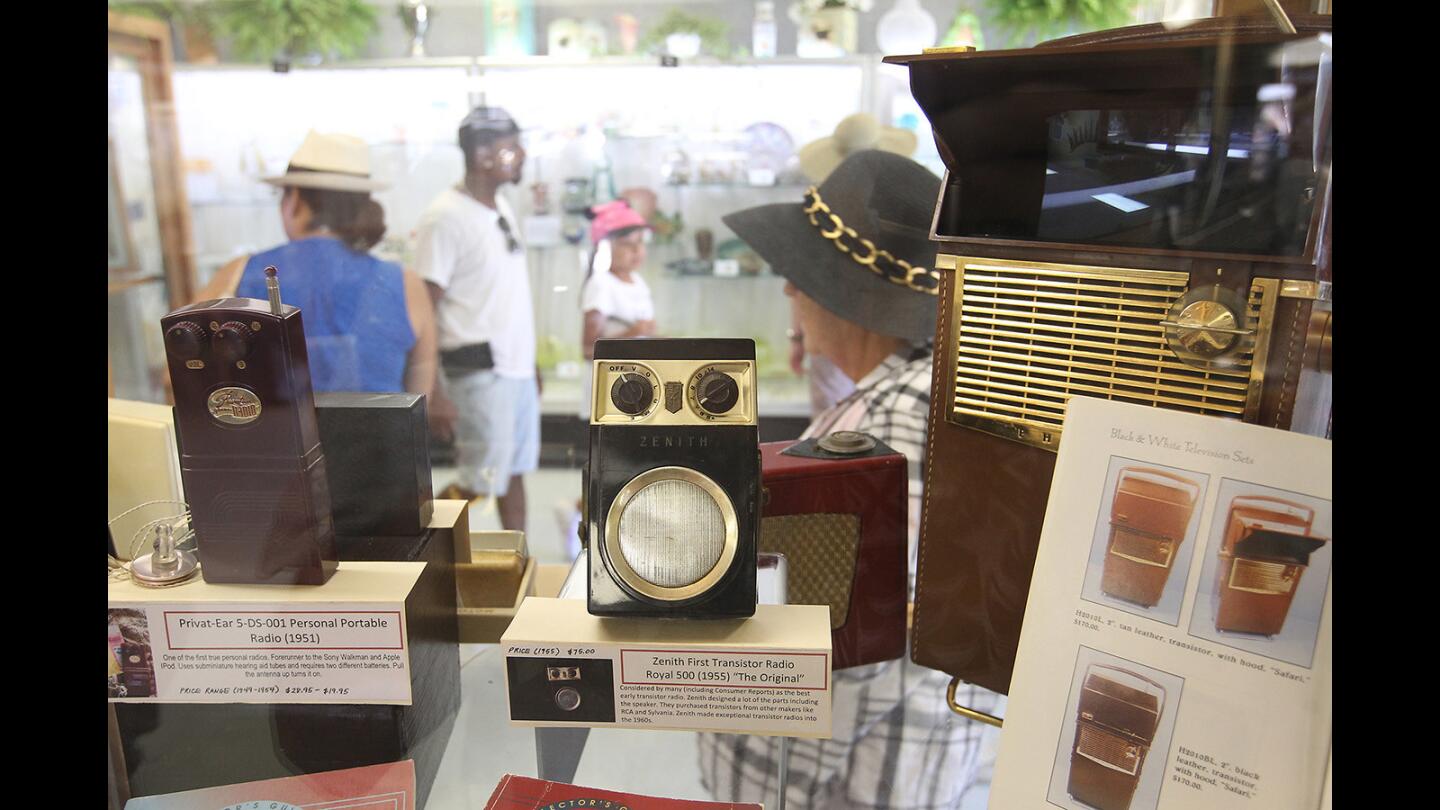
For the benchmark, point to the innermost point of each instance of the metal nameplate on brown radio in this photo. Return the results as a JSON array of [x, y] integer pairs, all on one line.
[[1153, 230]]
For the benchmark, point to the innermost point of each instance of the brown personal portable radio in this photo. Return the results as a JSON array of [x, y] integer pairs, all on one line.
[[1140, 215], [250, 454], [1265, 550], [1117, 723], [1148, 518]]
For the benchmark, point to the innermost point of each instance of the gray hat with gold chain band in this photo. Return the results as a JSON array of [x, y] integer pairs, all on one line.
[[859, 245]]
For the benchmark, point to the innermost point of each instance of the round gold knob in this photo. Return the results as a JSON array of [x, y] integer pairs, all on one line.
[[1207, 328]]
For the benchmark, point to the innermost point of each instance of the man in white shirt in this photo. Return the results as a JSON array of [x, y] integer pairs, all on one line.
[[469, 252]]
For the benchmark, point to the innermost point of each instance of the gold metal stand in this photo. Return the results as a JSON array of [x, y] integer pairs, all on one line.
[[965, 711]]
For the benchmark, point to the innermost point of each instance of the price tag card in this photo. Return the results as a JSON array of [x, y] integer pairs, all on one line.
[[342, 642], [769, 674]]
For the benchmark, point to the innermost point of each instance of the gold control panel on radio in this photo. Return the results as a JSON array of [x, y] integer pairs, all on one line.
[[673, 392]]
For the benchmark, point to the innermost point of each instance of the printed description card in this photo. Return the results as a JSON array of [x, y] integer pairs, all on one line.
[[1176, 647]]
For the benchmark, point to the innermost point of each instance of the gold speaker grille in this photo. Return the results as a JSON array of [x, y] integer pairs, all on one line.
[[820, 550], [1258, 576], [1029, 335], [1108, 750], [1142, 548]]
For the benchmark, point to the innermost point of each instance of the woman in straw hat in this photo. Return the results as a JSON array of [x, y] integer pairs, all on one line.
[[369, 325], [858, 264]]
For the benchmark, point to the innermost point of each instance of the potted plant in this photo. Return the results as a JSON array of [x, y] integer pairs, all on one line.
[[1045, 19], [685, 35], [282, 30], [827, 27], [189, 23]]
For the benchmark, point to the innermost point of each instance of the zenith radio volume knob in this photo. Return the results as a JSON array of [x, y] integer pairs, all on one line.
[[632, 393], [232, 341], [717, 392], [186, 340]]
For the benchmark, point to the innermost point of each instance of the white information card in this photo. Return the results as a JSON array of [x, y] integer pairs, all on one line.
[[1176, 647], [341, 642]]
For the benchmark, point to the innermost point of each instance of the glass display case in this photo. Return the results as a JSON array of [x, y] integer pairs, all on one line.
[[382, 674], [700, 141]]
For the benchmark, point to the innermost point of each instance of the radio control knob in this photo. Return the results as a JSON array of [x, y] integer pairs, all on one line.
[[632, 393], [232, 341], [185, 340], [717, 392]]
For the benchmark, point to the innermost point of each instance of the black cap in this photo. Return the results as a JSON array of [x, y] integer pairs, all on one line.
[[485, 125]]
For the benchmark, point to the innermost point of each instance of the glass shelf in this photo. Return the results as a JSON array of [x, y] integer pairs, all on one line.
[[523, 62]]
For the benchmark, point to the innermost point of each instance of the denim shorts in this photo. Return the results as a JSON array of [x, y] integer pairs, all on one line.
[[497, 432]]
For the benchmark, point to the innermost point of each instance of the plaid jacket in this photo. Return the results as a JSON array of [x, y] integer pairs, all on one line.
[[895, 743]]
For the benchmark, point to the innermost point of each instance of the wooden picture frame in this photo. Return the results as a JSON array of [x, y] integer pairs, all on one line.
[[122, 248]]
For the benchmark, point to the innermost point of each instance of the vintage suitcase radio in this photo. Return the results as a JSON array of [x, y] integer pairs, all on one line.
[[1148, 519], [1119, 713], [672, 487], [1265, 550], [1139, 215], [250, 454], [835, 507]]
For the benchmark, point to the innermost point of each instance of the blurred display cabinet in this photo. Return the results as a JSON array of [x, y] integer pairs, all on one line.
[[686, 145]]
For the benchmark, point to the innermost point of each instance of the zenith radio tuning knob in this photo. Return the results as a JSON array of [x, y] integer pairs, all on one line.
[[186, 340], [632, 393], [232, 341], [717, 392]]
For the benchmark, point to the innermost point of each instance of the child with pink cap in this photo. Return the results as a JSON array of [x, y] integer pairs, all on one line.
[[615, 299]]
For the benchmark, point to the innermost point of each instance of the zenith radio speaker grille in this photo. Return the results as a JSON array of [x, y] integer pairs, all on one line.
[[1108, 749], [1029, 335], [672, 533]]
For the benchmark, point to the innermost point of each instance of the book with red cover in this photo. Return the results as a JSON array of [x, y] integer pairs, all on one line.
[[525, 793]]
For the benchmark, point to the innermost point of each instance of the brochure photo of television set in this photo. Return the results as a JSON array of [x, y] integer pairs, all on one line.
[[1145, 539]]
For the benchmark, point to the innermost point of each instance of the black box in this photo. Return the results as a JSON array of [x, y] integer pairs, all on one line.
[[377, 454], [170, 747]]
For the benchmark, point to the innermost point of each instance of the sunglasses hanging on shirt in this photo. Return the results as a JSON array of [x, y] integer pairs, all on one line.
[[511, 243]]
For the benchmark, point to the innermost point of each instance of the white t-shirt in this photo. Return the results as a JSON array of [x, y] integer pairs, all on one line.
[[460, 247], [618, 300]]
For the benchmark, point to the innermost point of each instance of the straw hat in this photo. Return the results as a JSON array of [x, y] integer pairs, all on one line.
[[328, 161], [852, 134]]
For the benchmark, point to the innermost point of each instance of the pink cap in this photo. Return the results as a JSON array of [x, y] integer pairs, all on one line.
[[613, 216]]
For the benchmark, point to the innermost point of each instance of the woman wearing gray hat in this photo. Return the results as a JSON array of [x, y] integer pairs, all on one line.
[[858, 263]]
